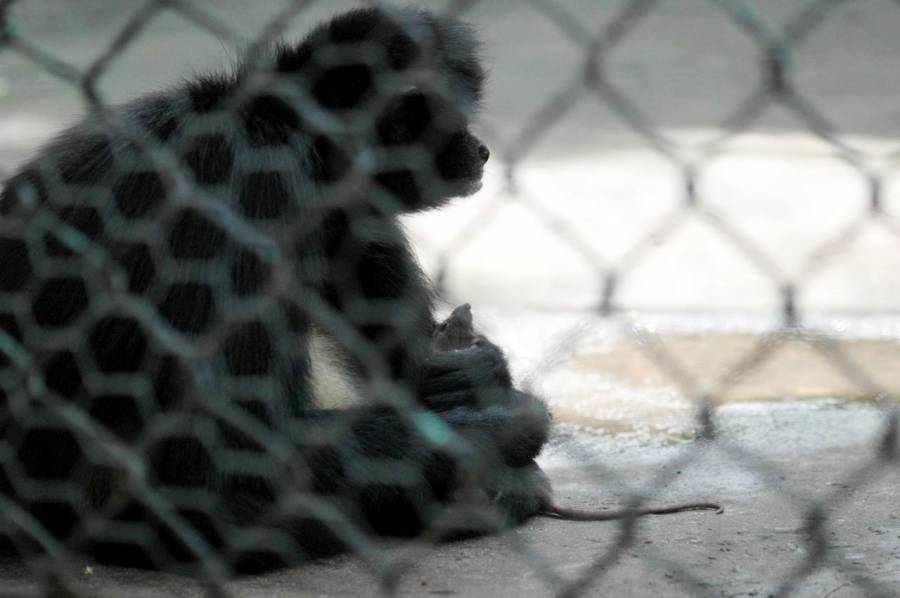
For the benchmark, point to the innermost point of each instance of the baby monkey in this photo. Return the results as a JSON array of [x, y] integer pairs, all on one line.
[[457, 333]]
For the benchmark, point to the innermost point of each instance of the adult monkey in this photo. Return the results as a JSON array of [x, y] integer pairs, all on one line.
[[170, 272]]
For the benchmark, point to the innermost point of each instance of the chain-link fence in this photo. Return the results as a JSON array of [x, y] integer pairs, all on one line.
[[217, 352]]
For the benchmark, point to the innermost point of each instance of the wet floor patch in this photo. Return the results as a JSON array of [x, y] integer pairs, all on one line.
[[748, 367], [618, 389]]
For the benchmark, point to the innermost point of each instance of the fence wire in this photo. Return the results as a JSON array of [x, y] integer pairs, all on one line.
[[82, 239]]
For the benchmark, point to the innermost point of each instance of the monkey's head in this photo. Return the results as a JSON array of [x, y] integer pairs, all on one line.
[[393, 92]]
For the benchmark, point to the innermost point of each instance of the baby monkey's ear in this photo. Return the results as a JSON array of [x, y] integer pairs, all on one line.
[[372, 53]]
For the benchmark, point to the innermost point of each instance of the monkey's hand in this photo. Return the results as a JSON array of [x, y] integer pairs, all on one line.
[[475, 375]]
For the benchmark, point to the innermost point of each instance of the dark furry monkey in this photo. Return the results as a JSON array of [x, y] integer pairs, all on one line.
[[457, 333], [176, 274], [179, 273]]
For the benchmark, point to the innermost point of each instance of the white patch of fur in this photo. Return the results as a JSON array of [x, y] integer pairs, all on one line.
[[333, 384]]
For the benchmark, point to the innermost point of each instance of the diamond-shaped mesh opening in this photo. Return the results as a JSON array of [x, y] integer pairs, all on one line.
[[663, 77], [225, 346]]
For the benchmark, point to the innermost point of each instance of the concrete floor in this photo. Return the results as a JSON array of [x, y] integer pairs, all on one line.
[[752, 549]]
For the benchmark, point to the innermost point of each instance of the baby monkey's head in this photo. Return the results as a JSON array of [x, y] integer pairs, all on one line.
[[457, 331]]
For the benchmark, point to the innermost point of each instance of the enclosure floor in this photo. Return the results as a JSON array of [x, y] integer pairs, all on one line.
[[758, 541]]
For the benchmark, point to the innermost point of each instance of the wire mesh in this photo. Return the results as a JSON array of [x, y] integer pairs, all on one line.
[[100, 289]]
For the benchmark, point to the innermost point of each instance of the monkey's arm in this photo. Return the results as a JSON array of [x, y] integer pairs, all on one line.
[[473, 383]]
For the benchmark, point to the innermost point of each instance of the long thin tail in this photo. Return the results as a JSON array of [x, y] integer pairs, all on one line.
[[581, 515]]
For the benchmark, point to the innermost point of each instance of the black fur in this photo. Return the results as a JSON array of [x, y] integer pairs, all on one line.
[[161, 273]]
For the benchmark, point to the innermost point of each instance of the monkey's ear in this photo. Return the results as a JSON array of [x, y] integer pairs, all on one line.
[[367, 52]]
